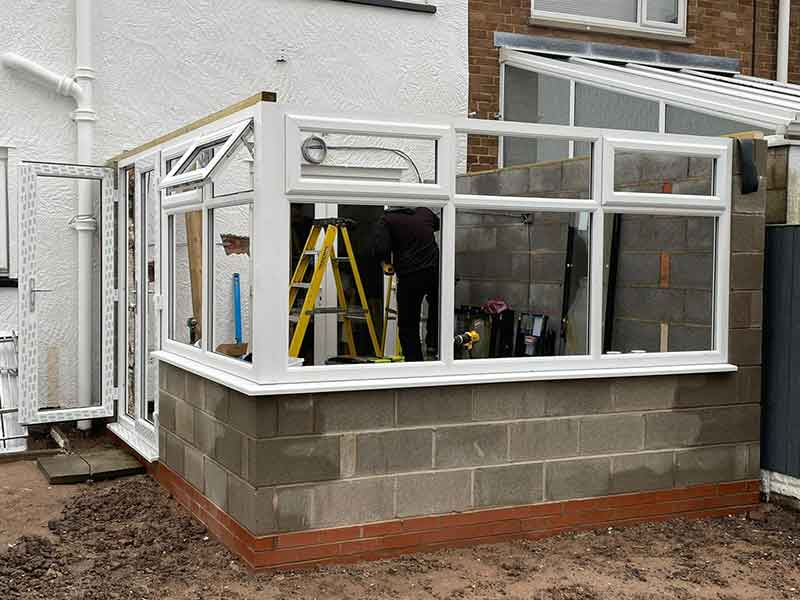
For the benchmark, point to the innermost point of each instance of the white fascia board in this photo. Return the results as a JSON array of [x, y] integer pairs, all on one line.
[[250, 388], [637, 84]]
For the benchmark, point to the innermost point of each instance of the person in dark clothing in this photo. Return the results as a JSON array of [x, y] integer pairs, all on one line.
[[406, 238]]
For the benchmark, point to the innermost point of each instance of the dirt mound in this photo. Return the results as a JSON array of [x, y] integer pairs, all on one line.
[[128, 538], [131, 540]]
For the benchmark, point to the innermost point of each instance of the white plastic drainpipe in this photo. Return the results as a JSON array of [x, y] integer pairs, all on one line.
[[784, 12], [80, 89]]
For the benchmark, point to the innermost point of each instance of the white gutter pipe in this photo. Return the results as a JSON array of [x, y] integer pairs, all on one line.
[[784, 12], [80, 89]]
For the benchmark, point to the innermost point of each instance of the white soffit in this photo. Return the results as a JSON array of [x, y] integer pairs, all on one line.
[[735, 97]]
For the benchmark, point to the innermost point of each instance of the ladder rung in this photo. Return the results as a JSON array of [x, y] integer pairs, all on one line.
[[301, 286], [341, 259], [356, 314], [310, 253]]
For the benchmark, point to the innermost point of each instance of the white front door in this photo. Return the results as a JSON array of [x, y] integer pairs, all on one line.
[[139, 231], [66, 293]]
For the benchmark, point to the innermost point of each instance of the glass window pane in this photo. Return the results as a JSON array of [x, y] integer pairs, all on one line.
[[397, 314], [231, 284], [152, 286], [661, 173], [236, 173], [57, 310], [663, 11], [531, 97], [621, 10], [542, 174], [690, 122], [201, 157], [658, 283], [186, 271], [596, 107], [522, 283], [132, 287]]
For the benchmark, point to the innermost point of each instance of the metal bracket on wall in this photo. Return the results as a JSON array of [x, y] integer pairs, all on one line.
[[32, 293]]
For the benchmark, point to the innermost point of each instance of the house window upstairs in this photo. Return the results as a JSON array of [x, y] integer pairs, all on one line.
[[660, 17]]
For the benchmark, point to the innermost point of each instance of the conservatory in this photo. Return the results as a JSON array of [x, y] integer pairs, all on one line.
[[240, 197], [349, 326]]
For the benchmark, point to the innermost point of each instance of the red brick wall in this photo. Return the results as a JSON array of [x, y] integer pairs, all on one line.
[[715, 27]]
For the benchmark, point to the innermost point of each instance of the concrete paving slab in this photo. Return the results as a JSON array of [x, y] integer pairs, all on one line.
[[111, 463], [64, 468]]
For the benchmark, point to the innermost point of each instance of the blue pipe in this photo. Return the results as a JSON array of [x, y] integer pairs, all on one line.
[[237, 308]]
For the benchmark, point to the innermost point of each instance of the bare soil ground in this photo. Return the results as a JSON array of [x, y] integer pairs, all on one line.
[[129, 539]]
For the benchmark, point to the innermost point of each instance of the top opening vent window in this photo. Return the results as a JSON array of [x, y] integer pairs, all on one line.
[[203, 156], [657, 16]]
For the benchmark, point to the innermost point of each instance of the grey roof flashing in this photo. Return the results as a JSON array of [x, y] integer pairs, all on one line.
[[613, 52]]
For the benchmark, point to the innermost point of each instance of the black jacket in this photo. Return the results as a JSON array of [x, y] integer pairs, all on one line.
[[405, 237]]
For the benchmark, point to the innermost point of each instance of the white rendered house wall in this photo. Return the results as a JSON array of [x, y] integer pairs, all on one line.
[[162, 66]]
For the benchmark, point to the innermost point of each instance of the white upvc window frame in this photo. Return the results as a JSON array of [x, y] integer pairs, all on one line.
[[201, 198], [8, 212], [642, 25], [279, 182], [229, 136]]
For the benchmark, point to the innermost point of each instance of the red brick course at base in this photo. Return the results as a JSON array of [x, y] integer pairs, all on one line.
[[417, 534]]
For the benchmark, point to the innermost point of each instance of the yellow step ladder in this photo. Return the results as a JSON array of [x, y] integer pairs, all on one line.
[[327, 254]]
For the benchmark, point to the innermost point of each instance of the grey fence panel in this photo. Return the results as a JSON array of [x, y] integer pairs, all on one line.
[[780, 445]]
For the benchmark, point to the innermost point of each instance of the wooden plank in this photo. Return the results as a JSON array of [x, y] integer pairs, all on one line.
[[221, 114], [194, 243]]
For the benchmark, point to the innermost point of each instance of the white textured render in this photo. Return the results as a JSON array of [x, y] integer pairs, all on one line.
[[160, 65]]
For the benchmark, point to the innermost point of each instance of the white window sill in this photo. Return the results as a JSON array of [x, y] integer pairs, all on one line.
[[250, 388], [676, 37]]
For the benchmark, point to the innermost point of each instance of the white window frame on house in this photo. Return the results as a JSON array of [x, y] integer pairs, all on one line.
[[197, 194], [280, 182], [642, 25], [8, 212]]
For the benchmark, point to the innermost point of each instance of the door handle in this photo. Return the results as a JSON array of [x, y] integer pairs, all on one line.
[[32, 291]]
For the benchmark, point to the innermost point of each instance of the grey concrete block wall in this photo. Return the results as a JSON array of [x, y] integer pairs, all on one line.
[[439, 450], [290, 463]]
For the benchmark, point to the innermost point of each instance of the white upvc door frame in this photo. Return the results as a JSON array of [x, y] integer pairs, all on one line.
[[136, 430], [29, 172]]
